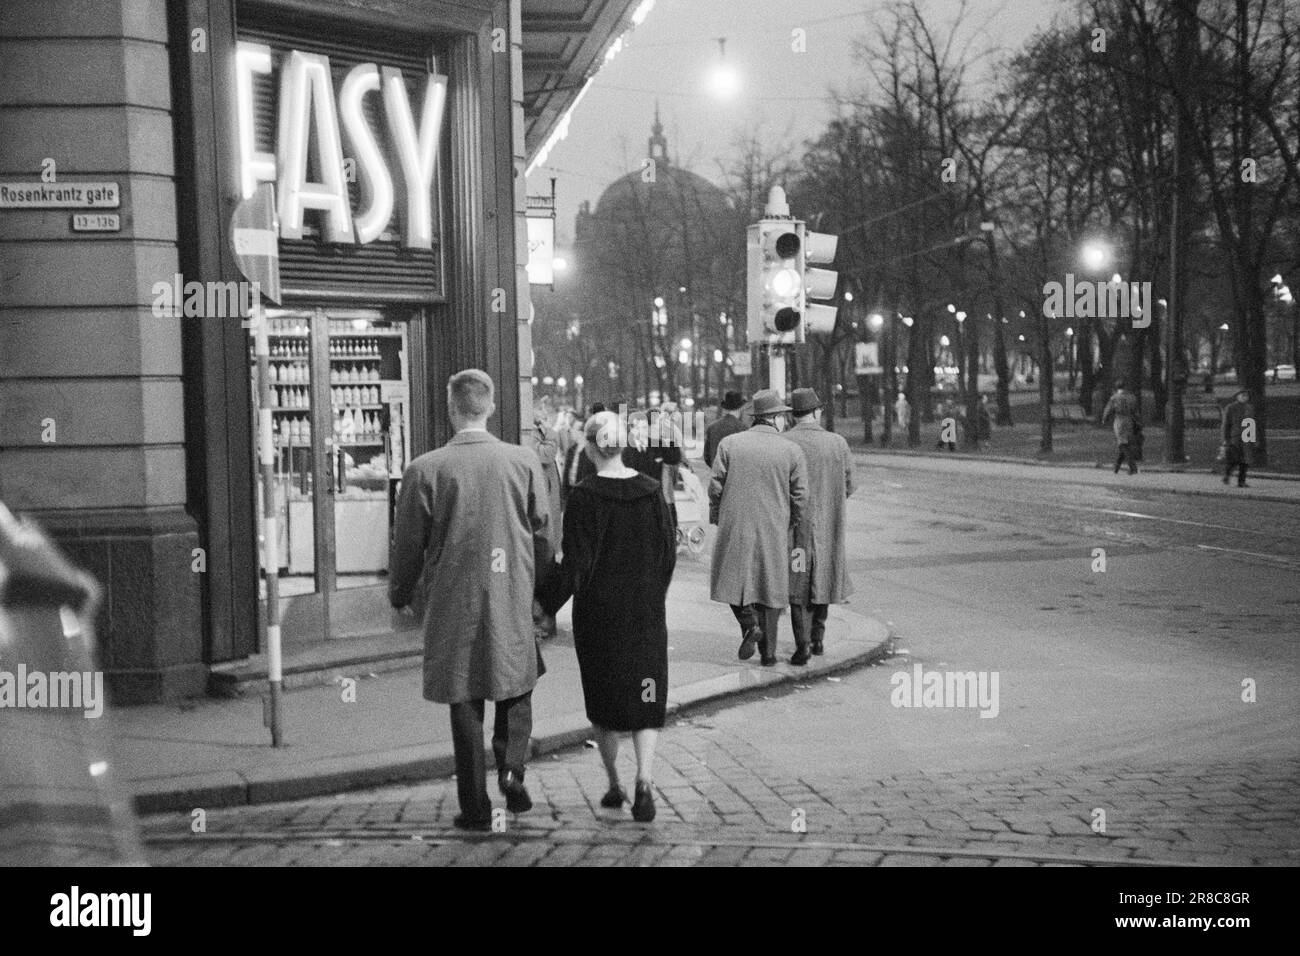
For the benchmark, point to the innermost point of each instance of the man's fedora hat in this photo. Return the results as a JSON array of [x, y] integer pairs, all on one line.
[[732, 401], [804, 400], [1241, 391], [767, 402]]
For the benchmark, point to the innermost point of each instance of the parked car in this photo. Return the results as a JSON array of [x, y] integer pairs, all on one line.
[[1284, 373]]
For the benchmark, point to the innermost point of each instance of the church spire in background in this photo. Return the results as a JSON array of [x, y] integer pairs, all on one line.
[[658, 143]]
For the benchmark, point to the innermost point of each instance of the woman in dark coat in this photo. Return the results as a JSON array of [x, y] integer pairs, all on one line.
[[619, 553]]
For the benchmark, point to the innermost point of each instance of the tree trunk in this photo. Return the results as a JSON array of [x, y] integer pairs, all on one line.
[[918, 354], [1046, 385], [971, 362], [1159, 390], [1003, 372], [1087, 371], [1250, 348]]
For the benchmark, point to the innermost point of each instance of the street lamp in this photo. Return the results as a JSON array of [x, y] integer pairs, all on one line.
[[724, 81], [1095, 255], [559, 264], [875, 320]]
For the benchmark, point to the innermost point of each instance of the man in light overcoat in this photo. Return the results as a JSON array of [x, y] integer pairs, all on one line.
[[756, 496], [818, 572], [471, 528]]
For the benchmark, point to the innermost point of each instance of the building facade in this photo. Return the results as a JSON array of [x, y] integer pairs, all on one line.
[[395, 136]]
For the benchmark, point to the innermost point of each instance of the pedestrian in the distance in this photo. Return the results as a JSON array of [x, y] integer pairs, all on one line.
[[757, 495], [471, 526], [983, 423], [620, 548], [819, 573], [1122, 410], [902, 412], [654, 448], [728, 424], [1237, 417]]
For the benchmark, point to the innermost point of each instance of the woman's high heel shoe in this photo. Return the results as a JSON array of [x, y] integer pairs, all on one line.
[[643, 807], [614, 798]]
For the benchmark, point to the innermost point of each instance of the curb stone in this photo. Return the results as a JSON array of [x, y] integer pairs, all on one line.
[[422, 764]]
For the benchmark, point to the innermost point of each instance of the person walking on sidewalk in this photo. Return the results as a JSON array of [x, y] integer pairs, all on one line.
[[983, 424], [1238, 416], [619, 550], [818, 571], [470, 529], [902, 412], [1122, 409], [728, 424], [757, 495]]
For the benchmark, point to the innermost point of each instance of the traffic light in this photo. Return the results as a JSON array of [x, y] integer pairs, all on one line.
[[780, 283], [775, 293], [818, 250]]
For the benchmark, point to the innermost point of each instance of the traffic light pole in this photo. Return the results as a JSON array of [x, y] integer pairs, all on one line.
[[776, 369]]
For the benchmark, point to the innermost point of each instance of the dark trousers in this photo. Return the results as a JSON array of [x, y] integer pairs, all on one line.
[[1240, 465], [765, 619], [1126, 452], [809, 621], [513, 725]]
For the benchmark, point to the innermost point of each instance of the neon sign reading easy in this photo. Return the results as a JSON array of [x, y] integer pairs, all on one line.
[[307, 99]]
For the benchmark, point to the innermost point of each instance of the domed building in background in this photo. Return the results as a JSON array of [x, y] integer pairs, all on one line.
[[655, 300]]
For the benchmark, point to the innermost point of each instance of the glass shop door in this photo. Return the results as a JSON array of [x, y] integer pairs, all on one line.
[[341, 412]]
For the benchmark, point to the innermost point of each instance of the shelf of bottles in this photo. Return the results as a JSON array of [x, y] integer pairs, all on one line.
[[356, 364]]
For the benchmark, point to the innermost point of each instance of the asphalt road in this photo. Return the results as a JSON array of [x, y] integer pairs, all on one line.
[[1147, 712]]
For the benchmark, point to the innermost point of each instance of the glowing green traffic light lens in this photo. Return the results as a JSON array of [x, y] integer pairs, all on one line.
[[785, 283]]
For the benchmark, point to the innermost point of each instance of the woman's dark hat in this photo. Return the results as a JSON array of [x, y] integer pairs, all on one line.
[[1241, 391], [767, 402], [732, 401], [804, 400]]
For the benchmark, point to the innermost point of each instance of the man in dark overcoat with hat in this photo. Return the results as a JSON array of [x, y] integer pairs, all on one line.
[[819, 574], [756, 496], [728, 424]]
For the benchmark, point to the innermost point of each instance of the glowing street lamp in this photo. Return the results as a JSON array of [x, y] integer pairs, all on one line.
[[1095, 255], [724, 81], [875, 320]]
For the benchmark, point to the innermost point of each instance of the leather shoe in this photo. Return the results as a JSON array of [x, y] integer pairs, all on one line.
[[817, 648], [769, 661], [643, 807], [800, 657], [614, 798], [516, 794], [463, 822], [750, 642]]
